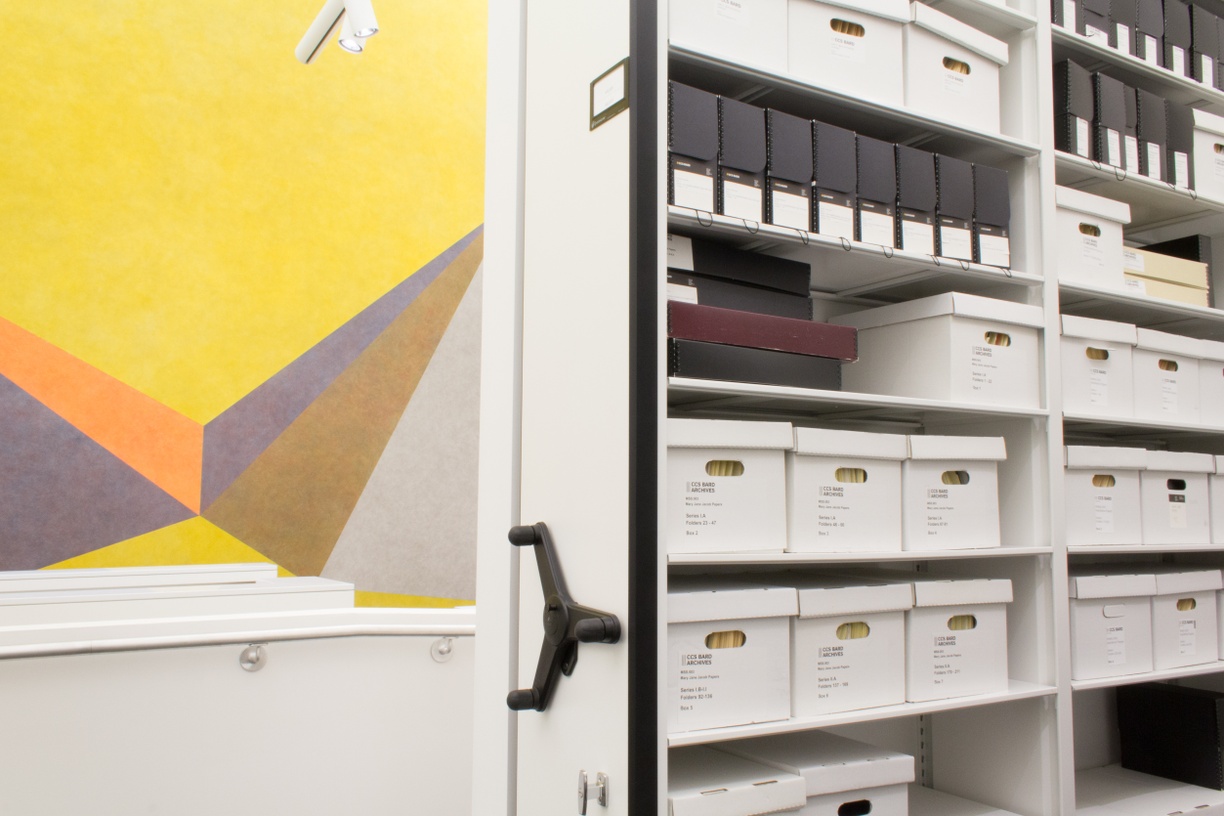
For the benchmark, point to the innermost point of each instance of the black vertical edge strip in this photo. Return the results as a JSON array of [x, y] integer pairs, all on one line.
[[643, 635]]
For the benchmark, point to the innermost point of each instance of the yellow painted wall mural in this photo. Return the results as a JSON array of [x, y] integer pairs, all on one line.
[[237, 317]]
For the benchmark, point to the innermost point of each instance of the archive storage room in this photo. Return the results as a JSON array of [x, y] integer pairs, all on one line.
[[866, 387]]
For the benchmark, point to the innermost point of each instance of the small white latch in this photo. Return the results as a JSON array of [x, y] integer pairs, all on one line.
[[584, 791]]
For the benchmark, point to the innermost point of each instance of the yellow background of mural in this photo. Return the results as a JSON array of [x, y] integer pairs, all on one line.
[[188, 208]]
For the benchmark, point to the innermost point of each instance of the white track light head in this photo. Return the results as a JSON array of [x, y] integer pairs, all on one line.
[[361, 12], [348, 39]]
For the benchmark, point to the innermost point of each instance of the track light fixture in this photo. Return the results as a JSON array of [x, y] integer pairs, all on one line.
[[354, 18]]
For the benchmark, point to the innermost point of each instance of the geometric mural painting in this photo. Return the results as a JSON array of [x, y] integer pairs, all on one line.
[[87, 467]]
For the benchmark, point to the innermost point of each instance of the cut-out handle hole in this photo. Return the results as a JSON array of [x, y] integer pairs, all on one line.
[[1096, 353], [850, 475], [733, 639], [1176, 484], [1186, 604], [962, 623], [1219, 148], [1103, 480], [724, 467], [955, 477], [956, 66], [853, 631], [998, 338], [860, 807], [1168, 365], [848, 28], [1090, 230]]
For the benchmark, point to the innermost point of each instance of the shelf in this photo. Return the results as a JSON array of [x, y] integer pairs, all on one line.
[[1017, 690], [717, 397], [1153, 204], [1142, 549], [1142, 310], [850, 269], [1113, 790], [1148, 677], [996, 19], [784, 559], [1096, 56], [893, 123], [1081, 425], [929, 802]]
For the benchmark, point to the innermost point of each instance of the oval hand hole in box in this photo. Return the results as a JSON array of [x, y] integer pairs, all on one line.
[[853, 631], [961, 623], [733, 639], [996, 338], [850, 475], [1096, 353], [1186, 604], [956, 66], [1090, 230], [955, 477], [1103, 480], [724, 467], [1219, 148], [1168, 365], [848, 28], [1176, 484], [860, 808]]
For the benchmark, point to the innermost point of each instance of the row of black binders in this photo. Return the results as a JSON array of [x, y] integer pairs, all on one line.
[[1184, 38], [768, 166], [1101, 118]]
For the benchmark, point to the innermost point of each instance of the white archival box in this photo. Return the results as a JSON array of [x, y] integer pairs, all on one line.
[[1111, 623], [950, 492], [1174, 495], [847, 643], [1089, 237], [956, 638], [843, 491], [716, 679], [852, 46], [1185, 630], [1208, 155], [1097, 370], [1166, 376], [752, 32], [841, 775], [726, 485], [1103, 498], [1211, 383], [957, 347], [704, 782], [1215, 491], [952, 69]]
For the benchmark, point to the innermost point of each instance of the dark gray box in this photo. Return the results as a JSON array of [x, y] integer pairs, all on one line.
[[1073, 109], [875, 214], [953, 207], [1108, 120], [692, 144], [788, 200], [1177, 37], [991, 216], [1180, 146], [915, 200], [836, 180], [1151, 127], [741, 160], [1204, 45], [1149, 31]]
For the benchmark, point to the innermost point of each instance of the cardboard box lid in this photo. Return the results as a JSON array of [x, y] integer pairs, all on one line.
[[1089, 328], [952, 29], [1069, 199], [825, 595], [729, 433], [1111, 585], [1171, 582], [741, 128], [888, 9], [704, 782], [1153, 340], [704, 598], [1212, 350], [1159, 266], [850, 444], [958, 448], [1180, 462], [1081, 457], [826, 762], [789, 146], [1203, 120], [692, 122], [949, 303], [961, 591]]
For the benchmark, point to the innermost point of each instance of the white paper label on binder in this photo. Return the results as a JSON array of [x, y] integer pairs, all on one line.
[[742, 201], [1124, 39], [679, 252], [1151, 49], [1181, 170], [693, 190], [955, 242], [916, 237], [1097, 34], [1153, 161], [1179, 60], [790, 210], [876, 228], [1081, 137], [835, 220], [1113, 148], [1206, 70], [994, 250], [1132, 154], [1069, 14]]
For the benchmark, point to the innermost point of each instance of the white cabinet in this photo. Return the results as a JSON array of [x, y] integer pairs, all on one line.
[[587, 324]]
